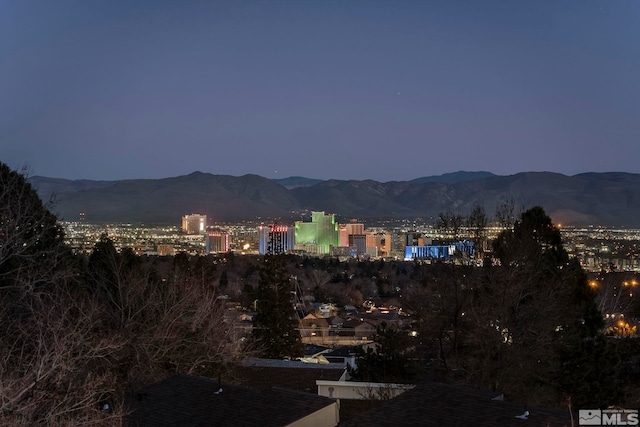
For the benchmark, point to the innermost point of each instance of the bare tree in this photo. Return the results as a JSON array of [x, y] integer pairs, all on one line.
[[46, 331], [506, 214], [76, 350], [477, 223], [437, 305], [450, 223], [172, 326], [74, 344], [55, 363], [317, 278]]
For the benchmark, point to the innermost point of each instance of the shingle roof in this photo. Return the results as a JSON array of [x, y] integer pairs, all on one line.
[[448, 405], [295, 364], [301, 379], [186, 400], [313, 349], [344, 351]]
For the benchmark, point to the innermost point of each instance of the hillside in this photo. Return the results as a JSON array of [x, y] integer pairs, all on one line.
[[607, 199], [221, 197]]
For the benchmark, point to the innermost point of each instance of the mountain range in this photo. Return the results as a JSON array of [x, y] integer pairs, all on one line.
[[603, 199]]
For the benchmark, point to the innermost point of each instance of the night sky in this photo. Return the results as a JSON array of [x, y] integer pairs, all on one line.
[[384, 90]]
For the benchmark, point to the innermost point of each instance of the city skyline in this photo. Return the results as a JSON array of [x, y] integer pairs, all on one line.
[[344, 90]]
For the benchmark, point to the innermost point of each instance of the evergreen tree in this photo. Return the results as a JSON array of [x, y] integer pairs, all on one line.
[[205, 270], [31, 240], [534, 242], [102, 267], [224, 281], [590, 365], [590, 372], [388, 361], [276, 322], [534, 317]]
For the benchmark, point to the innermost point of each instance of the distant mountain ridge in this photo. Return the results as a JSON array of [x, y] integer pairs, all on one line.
[[453, 177], [297, 181], [607, 199]]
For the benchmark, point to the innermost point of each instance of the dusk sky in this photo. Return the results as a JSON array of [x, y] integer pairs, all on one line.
[[384, 90]]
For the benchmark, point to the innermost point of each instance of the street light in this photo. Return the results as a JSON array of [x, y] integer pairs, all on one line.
[[632, 284]]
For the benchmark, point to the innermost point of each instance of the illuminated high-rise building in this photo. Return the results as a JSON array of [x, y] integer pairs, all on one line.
[[318, 236], [413, 238], [194, 224], [275, 239], [382, 243], [354, 228], [344, 237], [358, 242], [217, 241], [244, 239], [355, 237]]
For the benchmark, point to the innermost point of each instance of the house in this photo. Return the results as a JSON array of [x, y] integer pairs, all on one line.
[[390, 317], [335, 321], [358, 329], [315, 354], [188, 400], [312, 326], [343, 354]]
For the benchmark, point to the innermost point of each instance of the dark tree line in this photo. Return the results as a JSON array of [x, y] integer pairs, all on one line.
[[540, 311], [387, 361], [526, 324], [475, 223]]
